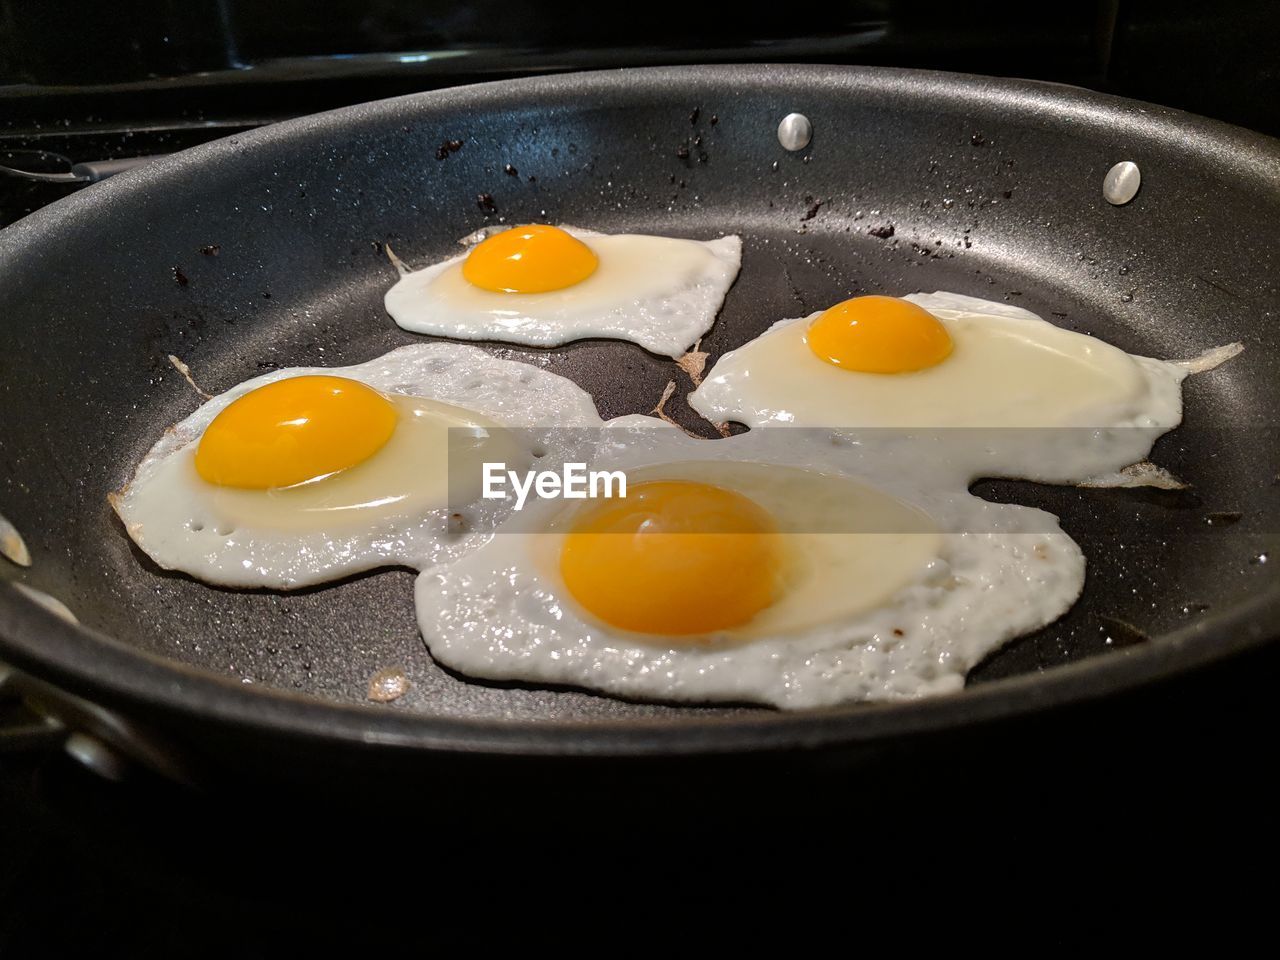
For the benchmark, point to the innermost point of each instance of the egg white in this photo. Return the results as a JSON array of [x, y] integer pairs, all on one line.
[[660, 292], [239, 538], [1018, 397], [996, 572]]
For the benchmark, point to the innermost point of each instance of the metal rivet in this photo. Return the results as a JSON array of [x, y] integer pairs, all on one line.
[[96, 756], [1121, 183], [795, 131]]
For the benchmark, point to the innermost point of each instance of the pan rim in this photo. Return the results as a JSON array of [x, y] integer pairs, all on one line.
[[121, 675], [109, 671]]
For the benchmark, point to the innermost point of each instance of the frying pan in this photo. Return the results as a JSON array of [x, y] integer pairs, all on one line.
[[268, 249]]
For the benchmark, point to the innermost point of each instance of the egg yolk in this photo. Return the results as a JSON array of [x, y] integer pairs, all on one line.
[[294, 430], [879, 335], [531, 259], [674, 558]]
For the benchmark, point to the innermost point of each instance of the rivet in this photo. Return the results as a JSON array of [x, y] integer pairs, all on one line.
[[95, 755], [1121, 183], [795, 131]]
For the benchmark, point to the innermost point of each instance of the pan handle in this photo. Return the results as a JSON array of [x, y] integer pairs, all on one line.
[[94, 170], [23, 729], [35, 715], [90, 171]]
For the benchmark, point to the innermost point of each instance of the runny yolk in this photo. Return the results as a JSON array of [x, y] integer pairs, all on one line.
[[674, 557], [879, 335], [294, 430], [535, 258]]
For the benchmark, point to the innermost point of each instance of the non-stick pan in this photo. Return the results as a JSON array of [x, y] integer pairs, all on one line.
[[268, 249]]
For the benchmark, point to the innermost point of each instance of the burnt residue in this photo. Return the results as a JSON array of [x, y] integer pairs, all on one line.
[[1122, 633], [448, 147], [486, 204], [931, 252], [693, 117], [1183, 498], [795, 289], [884, 231], [814, 206], [510, 171], [714, 120], [682, 151], [978, 140], [1221, 288], [1223, 518], [212, 250], [179, 277]]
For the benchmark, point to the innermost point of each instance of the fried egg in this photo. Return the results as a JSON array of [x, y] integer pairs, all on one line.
[[1001, 391], [767, 568], [543, 286], [308, 474]]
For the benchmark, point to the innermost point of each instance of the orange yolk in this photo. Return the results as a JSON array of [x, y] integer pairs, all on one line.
[[294, 430], [673, 558], [532, 259], [879, 335]]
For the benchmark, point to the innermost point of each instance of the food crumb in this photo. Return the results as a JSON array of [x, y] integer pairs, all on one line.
[[448, 147], [389, 683], [813, 211], [485, 202], [185, 370], [510, 171], [1224, 518], [694, 363], [12, 545], [212, 250], [179, 277], [883, 232], [1121, 633], [660, 408]]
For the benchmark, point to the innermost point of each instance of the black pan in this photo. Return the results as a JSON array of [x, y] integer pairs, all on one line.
[[992, 188]]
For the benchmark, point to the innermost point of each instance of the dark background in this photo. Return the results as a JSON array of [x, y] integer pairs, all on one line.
[[93, 80], [151, 869], [80, 63]]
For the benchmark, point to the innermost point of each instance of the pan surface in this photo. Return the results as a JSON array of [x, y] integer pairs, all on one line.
[[267, 249]]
